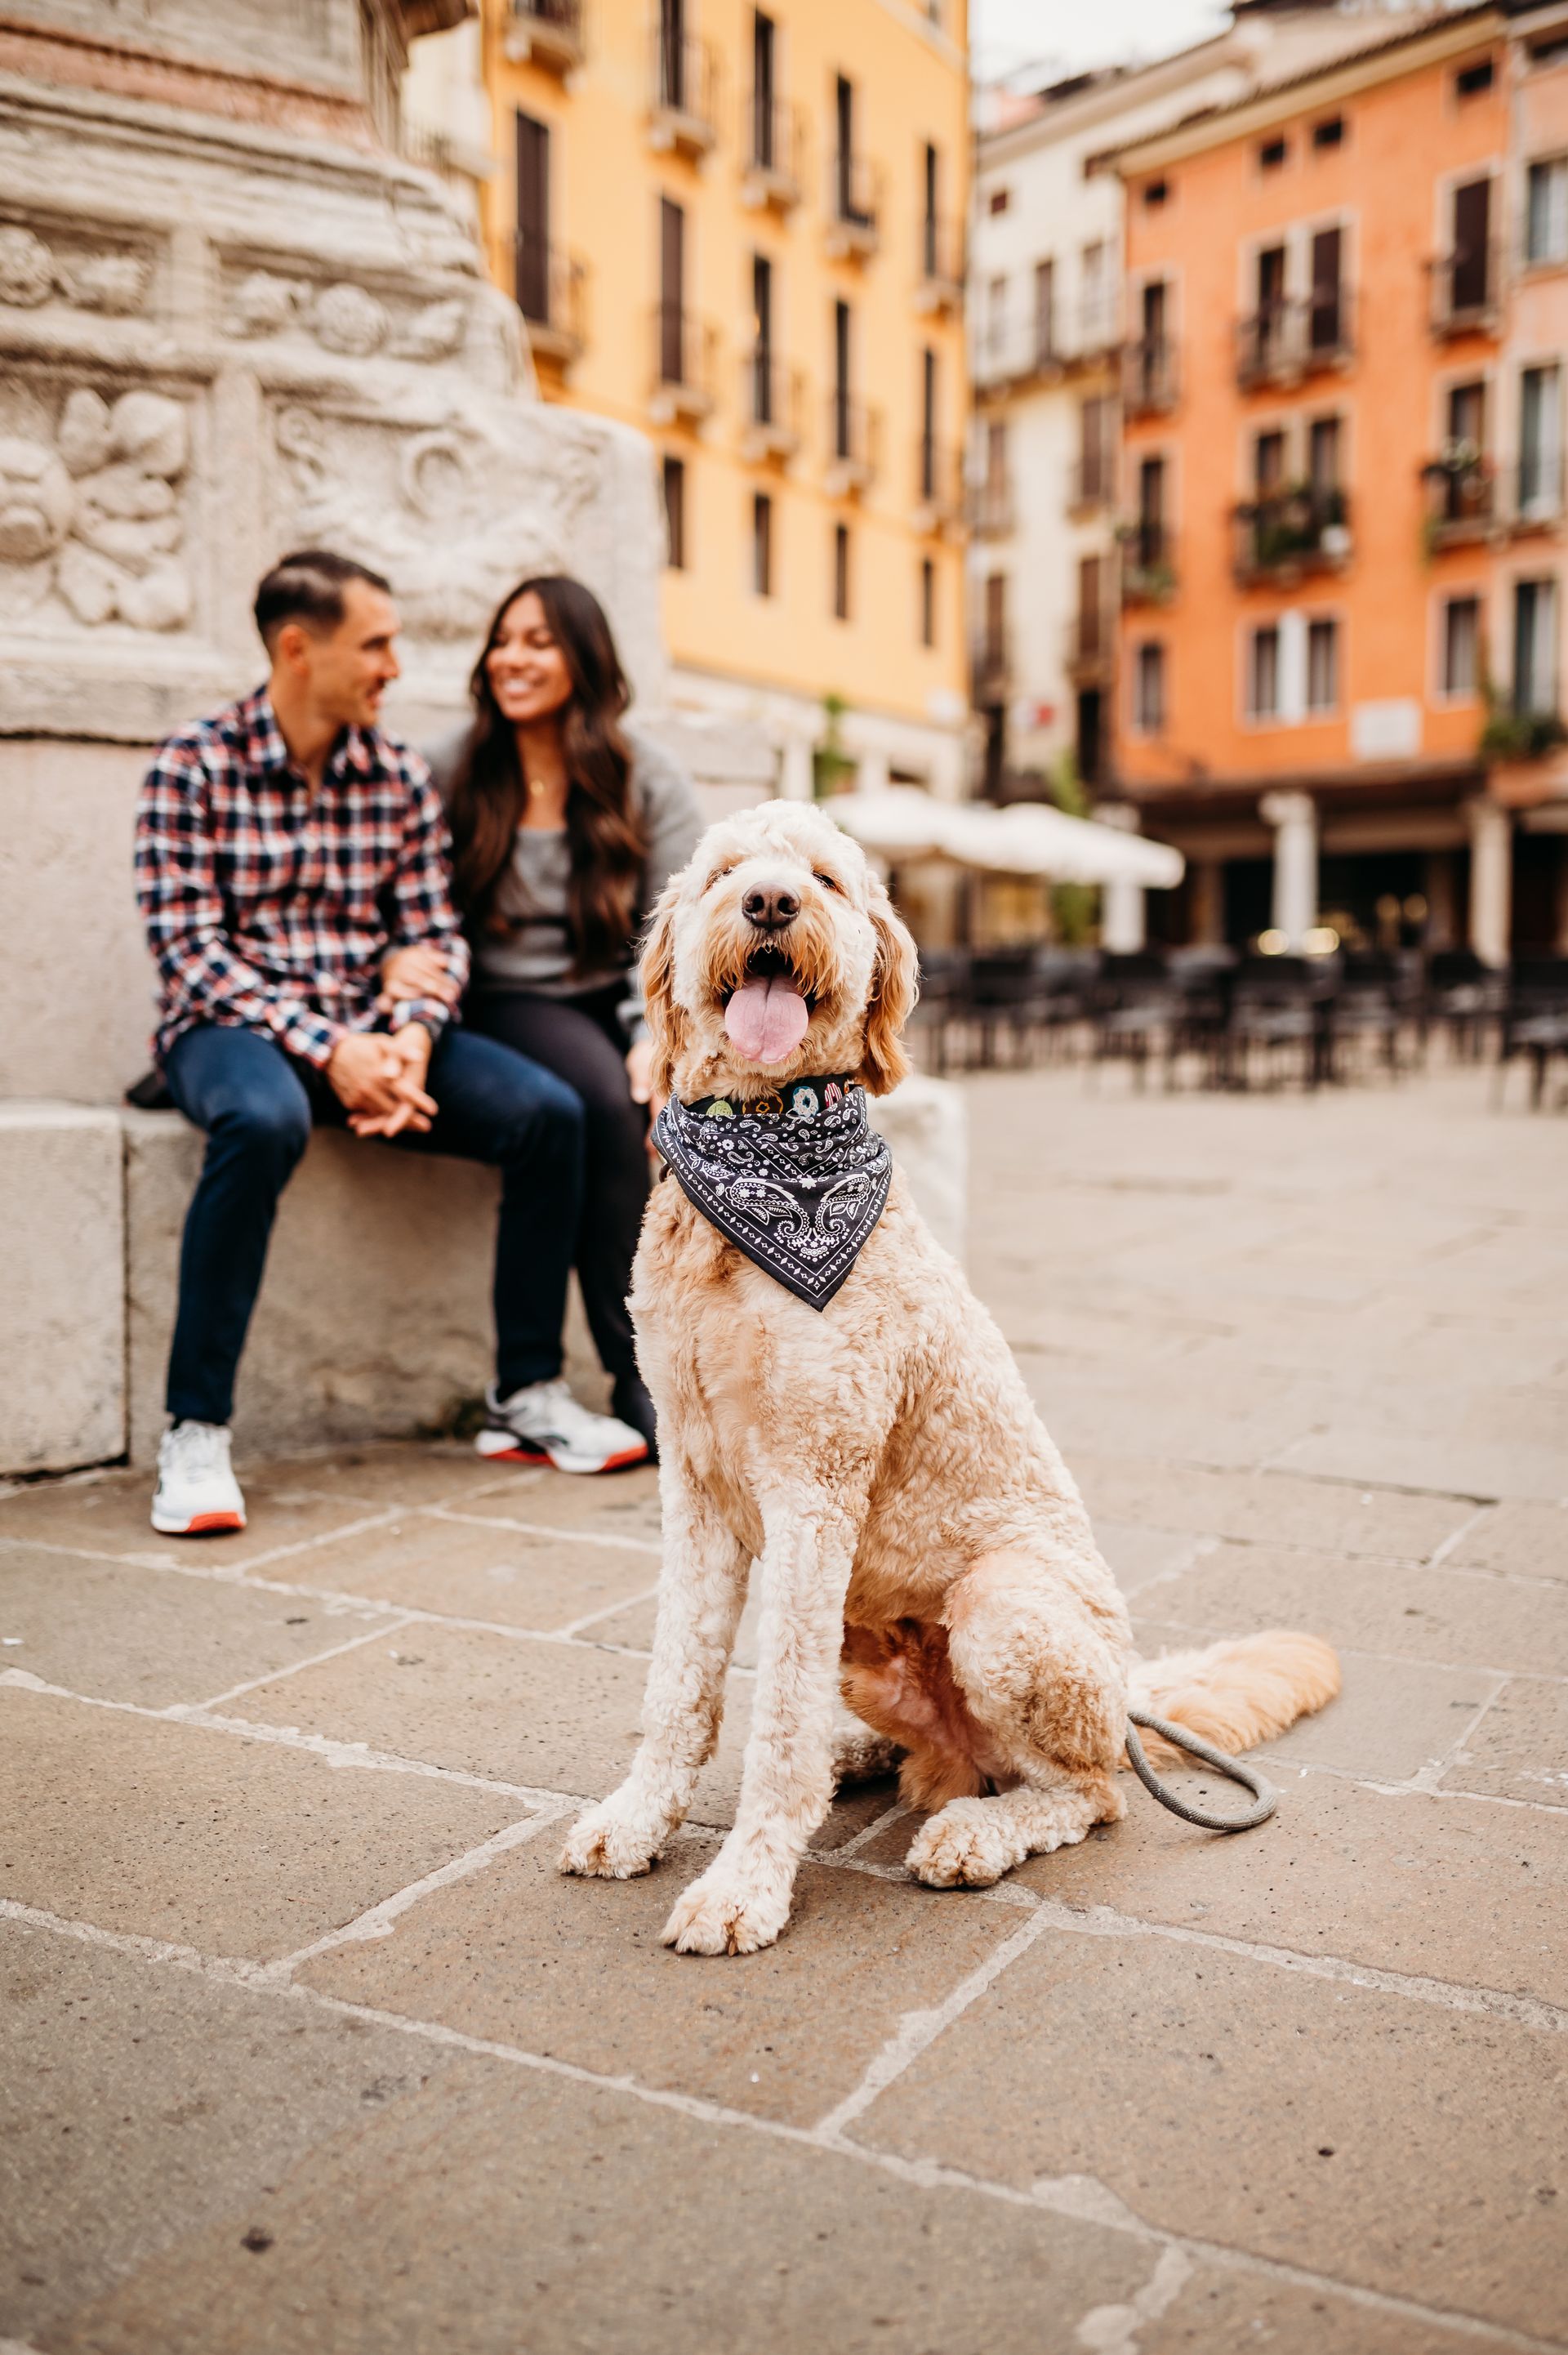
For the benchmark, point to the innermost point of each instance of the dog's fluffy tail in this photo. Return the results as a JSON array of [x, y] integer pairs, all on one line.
[[1237, 1692]]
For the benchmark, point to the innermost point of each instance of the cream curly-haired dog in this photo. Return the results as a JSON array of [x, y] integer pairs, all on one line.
[[921, 1546]]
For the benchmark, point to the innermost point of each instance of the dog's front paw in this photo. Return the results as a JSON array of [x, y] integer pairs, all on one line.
[[963, 1848], [611, 1841], [718, 1915]]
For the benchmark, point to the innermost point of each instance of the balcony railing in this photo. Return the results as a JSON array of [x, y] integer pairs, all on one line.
[[775, 151], [1285, 341], [990, 664], [853, 444], [773, 400], [854, 206], [685, 360], [1148, 562], [991, 509], [939, 285], [1291, 532], [1149, 376], [1088, 647], [1009, 349], [1465, 290], [938, 485], [682, 104], [1090, 482], [552, 295], [545, 32], [1534, 492], [1461, 496]]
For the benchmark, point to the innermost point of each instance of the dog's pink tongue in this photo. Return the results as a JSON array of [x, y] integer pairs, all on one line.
[[767, 1020]]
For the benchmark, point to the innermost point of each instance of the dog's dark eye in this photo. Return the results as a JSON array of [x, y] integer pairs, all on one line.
[[717, 877], [828, 882]]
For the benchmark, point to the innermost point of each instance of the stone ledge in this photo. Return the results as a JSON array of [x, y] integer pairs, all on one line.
[[62, 1291]]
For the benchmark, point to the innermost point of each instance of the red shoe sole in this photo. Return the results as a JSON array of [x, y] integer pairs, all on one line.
[[209, 1525], [521, 1454]]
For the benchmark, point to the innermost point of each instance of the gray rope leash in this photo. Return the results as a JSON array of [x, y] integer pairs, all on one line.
[[1266, 1797]]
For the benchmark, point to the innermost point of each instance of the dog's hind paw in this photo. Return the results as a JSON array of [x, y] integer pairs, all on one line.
[[963, 1848], [720, 1916], [604, 1842]]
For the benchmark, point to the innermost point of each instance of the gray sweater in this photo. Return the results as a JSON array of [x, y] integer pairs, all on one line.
[[535, 951]]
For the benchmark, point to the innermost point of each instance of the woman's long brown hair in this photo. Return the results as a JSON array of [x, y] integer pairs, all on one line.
[[603, 830]]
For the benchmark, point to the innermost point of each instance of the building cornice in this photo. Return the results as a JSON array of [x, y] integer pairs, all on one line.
[[1073, 116], [1328, 84]]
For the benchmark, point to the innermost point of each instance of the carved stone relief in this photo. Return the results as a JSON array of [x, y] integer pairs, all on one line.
[[342, 318], [452, 514], [94, 277], [93, 523]]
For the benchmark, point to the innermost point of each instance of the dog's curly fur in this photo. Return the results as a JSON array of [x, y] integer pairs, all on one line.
[[920, 1543]]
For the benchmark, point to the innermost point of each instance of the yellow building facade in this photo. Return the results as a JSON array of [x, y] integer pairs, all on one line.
[[740, 229]]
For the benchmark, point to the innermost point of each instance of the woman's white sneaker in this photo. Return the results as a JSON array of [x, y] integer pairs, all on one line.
[[545, 1424], [198, 1495]]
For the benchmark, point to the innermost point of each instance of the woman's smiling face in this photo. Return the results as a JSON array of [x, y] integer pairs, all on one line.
[[525, 666]]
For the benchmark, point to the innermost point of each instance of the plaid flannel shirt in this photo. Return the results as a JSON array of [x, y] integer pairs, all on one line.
[[268, 907]]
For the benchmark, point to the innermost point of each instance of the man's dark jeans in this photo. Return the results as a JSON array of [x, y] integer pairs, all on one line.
[[258, 1104]]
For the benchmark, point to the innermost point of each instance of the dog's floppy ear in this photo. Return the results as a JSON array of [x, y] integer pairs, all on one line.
[[892, 992], [667, 1027]]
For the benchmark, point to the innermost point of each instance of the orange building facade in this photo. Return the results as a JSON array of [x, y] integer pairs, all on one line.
[[1342, 509]]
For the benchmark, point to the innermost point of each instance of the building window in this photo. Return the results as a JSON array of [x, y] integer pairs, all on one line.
[[1269, 462], [762, 544], [998, 200], [1095, 447], [840, 572], [1272, 153], [1535, 646], [1262, 674], [1044, 311], [1093, 286], [1551, 52], [1322, 666], [1330, 132], [1540, 440], [674, 480], [1471, 80], [1156, 192], [1148, 688], [927, 601], [1546, 212], [1462, 645], [1323, 441], [995, 315]]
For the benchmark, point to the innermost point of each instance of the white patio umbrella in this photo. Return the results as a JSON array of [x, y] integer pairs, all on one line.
[[901, 823]]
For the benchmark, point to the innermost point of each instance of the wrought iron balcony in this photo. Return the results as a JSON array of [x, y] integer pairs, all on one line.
[[551, 294], [1292, 531], [1148, 562], [686, 362], [1088, 647], [853, 444], [854, 207], [939, 284], [1533, 493], [938, 485], [682, 103], [546, 33], [1460, 485], [1090, 482], [992, 508], [1149, 376], [772, 401], [991, 665], [775, 150], [1465, 290], [1285, 341]]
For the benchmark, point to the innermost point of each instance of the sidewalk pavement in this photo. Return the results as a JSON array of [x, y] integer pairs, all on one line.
[[309, 2048]]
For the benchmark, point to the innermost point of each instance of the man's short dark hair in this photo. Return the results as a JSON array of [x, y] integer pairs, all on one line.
[[308, 587]]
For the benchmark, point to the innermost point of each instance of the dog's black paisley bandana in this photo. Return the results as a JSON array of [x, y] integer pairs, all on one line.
[[797, 1179]]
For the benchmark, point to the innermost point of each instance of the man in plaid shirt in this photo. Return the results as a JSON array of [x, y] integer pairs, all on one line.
[[285, 849]]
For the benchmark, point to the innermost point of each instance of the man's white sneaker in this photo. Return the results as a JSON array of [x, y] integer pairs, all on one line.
[[545, 1424], [198, 1495]]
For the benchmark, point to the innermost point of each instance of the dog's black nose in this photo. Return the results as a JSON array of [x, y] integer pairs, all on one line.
[[769, 909]]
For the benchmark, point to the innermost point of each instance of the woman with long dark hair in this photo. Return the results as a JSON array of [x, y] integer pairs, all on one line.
[[566, 826]]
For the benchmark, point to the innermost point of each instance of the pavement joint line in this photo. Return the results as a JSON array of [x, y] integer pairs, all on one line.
[[1427, 1777], [541, 1530], [376, 1921], [314, 1660], [360, 1528], [1388, 1790], [575, 1627], [868, 1832], [921, 2174], [1402, 1659], [1456, 1537]]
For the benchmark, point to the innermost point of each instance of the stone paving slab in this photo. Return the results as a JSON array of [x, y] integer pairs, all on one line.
[[1478, 1467], [139, 2106], [117, 1632], [1393, 1718], [562, 1717], [575, 1968], [497, 2209], [231, 1846], [1269, 1507], [109, 1515], [1383, 2141], [480, 1570], [1520, 1748], [622, 1505], [1530, 1540], [1452, 1616]]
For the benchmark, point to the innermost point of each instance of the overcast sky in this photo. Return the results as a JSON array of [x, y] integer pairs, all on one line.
[[1065, 36]]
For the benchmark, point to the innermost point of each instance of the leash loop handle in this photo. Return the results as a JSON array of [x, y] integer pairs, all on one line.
[[1266, 1797]]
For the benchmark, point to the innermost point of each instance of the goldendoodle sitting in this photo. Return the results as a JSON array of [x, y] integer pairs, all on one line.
[[835, 1404]]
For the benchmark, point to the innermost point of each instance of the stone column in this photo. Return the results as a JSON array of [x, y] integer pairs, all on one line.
[[1123, 928], [1295, 821], [795, 778], [1491, 880], [871, 771], [1442, 901], [1208, 901]]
